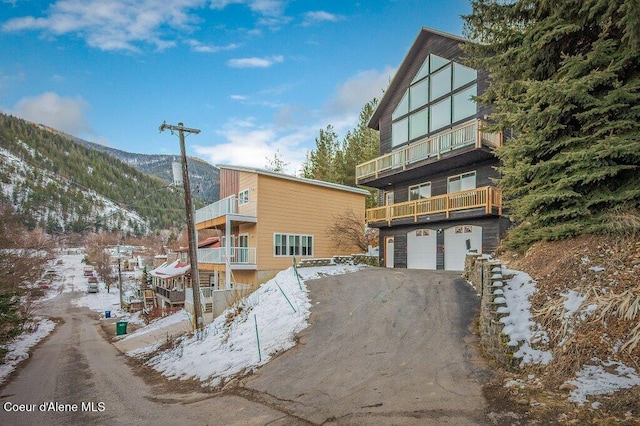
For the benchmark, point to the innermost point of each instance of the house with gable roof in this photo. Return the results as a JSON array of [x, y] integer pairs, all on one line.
[[437, 168]]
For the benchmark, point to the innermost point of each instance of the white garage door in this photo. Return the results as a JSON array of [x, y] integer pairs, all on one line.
[[421, 249], [455, 245]]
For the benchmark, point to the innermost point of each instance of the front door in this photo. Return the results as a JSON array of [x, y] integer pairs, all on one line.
[[243, 248], [388, 252]]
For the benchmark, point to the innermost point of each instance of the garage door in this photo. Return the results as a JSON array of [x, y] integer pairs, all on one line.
[[421, 249], [455, 245]]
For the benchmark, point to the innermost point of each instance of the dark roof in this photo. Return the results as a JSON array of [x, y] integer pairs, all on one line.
[[424, 34]]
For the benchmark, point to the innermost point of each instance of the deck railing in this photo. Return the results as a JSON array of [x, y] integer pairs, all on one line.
[[174, 296], [487, 197], [459, 137], [228, 205], [244, 255]]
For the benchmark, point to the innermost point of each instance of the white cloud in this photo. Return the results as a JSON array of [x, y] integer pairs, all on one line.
[[255, 62], [294, 128], [112, 25], [353, 94], [245, 144], [318, 16], [198, 46], [62, 113]]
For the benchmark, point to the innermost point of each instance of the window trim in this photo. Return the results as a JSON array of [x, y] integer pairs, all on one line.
[[243, 200], [297, 249], [418, 186], [459, 176]]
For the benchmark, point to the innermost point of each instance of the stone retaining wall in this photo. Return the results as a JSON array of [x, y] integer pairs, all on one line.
[[354, 259], [486, 276]]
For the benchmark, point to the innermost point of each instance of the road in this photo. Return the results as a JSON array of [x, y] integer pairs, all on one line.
[[383, 347], [77, 365]]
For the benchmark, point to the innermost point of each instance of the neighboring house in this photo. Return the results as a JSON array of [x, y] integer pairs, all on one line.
[[266, 219], [436, 167], [170, 279], [168, 283]]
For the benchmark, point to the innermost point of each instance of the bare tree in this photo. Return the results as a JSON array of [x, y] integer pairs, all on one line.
[[348, 230], [24, 255]]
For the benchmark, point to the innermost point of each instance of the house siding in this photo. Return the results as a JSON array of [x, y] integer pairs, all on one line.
[[291, 207]]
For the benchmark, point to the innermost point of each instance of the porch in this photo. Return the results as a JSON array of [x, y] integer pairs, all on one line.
[[467, 136], [489, 198]]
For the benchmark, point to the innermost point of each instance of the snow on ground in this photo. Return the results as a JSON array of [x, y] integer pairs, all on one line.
[[248, 335], [607, 377], [18, 349], [518, 324]]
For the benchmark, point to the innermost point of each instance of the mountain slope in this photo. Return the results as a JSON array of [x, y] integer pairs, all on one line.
[[63, 186], [204, 177]]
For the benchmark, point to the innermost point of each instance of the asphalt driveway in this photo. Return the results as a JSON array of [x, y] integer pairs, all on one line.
[[384, 347]]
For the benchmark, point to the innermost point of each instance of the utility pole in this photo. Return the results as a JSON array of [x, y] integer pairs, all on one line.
[[120, 278], [191, 227]]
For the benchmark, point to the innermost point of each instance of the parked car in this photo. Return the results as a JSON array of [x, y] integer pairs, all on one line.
[[92, 279], [92, 288], [88, 271]]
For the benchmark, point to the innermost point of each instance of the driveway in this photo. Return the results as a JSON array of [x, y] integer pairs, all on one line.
[[384, 347]]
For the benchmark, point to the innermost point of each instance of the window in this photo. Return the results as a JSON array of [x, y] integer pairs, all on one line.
[[440, 94], [243, 197], [418, 124], [399, 132], [402, 108], [463, 105], [440, 114], [419, 94], [292, 245], [461, 182], [441, 83], [422, 190], [388, 198], [463, 75]]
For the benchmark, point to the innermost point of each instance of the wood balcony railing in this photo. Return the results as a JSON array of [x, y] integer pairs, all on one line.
[[468, 134], [487, 197]]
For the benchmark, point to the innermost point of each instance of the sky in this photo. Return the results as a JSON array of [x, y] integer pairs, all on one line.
[[256, 77]]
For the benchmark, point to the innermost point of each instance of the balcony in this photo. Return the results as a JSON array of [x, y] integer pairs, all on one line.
[[216, 214], [218, 209], [433, 148], [239, 257], [487, 197], [173, 296]]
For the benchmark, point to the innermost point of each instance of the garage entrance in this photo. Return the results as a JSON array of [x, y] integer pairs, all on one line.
[[421, 249], [455, 245]]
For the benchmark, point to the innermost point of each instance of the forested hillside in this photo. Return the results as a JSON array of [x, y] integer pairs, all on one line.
[[62, 187], [205, 178]]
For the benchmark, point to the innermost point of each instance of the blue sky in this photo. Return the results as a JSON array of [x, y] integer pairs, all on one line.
[[255, 76]]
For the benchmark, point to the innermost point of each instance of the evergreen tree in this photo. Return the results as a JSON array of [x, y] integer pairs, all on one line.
[[565, 76]]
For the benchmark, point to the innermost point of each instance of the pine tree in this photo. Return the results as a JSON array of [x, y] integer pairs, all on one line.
[[565, 76]]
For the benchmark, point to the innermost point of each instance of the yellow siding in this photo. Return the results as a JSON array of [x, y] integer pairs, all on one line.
[[248, 181], [291, 207]]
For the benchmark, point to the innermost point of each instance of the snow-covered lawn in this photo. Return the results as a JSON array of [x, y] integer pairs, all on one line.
[[248, 335]]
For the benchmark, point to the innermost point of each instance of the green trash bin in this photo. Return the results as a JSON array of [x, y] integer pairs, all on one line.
[[121, 328]]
